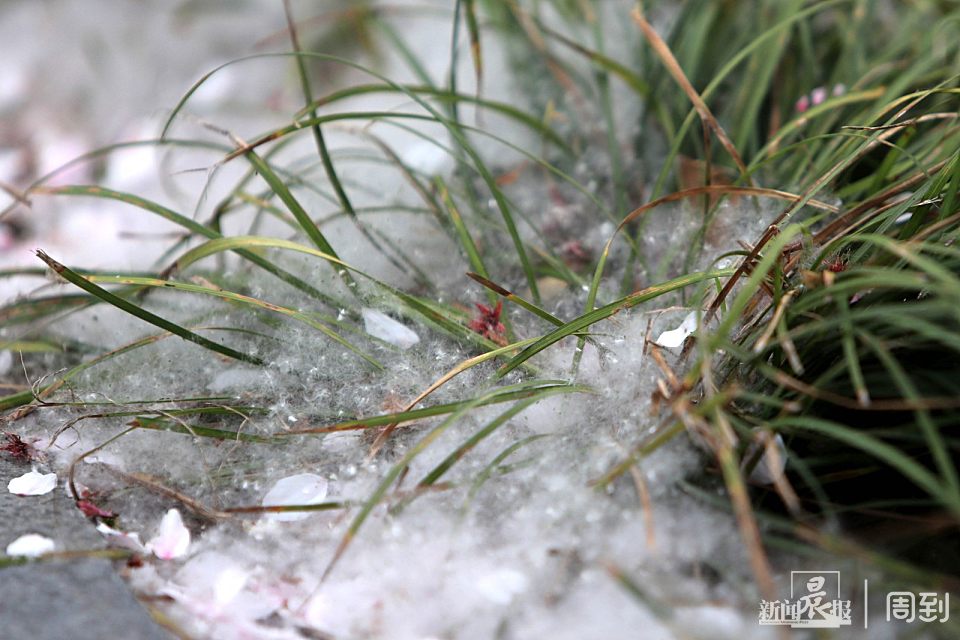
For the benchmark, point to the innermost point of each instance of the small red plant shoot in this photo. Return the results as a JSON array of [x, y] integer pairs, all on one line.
[[91, 510], [17, 448], [487, 323], [836, 264]]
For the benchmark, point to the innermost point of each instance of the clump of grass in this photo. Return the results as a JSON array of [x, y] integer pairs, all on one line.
[[835, 329]]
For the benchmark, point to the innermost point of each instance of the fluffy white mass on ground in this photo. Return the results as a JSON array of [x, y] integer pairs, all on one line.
[[534, 551]]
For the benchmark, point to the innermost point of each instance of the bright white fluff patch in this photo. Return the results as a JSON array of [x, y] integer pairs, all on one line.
[[502, 585], [173, 540], [380, 325], [33, 484], [303, 488], [674, 338], [30, 545]]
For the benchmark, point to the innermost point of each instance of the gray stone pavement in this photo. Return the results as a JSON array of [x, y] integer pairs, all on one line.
[[70, 599]]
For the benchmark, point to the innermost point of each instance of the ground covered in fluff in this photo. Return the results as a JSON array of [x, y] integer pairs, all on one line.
[[515, 540]]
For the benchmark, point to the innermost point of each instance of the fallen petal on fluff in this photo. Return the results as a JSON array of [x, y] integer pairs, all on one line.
[[382, 326], [173, 539], [33, 484], [303, 488], [214, 586], [30, 545], [122, 538], [674, 338], [6, 357]]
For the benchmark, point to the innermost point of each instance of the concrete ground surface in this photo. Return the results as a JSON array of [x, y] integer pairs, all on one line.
[[67, 599]]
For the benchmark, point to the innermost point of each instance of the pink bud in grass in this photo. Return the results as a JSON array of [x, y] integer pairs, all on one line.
[[839, 89], [802, 104], [818, 95]]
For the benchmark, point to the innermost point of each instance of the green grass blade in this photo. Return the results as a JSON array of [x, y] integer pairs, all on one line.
[[143, 314], [193, 227], [303, 218], [889, 454], [174, 426], [492, 426], [466, 240], [414, 415], [586, 320], [242, 299], [413, 304]]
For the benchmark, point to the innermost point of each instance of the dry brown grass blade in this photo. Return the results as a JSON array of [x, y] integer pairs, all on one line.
[[818, 184], [848, 218], [724, 448], [944, 115], [646, 503], [724, 189], [780, 482], [746, 520], [156, 486], [673, 67], [19, 197], [761, 343], [720, 438], [144, 480], [947, 222]]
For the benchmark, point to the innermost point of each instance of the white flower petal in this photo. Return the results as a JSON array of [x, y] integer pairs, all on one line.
[[6, 357], [33, 484], [173, 540], [122, 538], [303, 488], [30, 545], [675, 337], [382, 326]]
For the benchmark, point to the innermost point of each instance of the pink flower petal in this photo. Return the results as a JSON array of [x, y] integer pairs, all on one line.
[[33, 484], [173, 540], [802, 104]]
